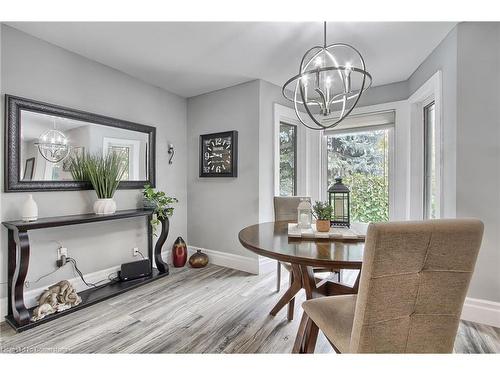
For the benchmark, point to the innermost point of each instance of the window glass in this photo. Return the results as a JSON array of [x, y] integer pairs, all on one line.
[[361, 158], [430, 186], [288, 159]]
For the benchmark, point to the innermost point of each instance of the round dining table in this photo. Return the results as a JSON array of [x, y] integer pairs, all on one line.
[[305, 256]]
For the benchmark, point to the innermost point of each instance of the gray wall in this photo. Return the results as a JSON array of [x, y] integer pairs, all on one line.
[[385, 94], [218, 208], [36, 69], [478, 146], [471, 123]]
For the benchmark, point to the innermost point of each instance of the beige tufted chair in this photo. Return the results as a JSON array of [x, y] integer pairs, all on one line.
[[413, 285]]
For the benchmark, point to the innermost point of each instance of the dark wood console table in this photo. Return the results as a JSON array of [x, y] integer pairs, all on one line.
[[18, 316]]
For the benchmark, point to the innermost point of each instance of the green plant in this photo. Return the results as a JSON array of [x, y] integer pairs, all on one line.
[[161, 204], [322, 210], [103, 172], [77, 168]]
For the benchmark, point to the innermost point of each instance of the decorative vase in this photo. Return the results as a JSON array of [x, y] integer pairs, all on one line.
[[179, 252], [323, 225], [30, 209], [198, 259], [105, 206]]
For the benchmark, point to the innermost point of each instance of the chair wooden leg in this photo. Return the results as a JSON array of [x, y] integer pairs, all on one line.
[[278, 276], [291, 304], [312, 332], [301, 334]]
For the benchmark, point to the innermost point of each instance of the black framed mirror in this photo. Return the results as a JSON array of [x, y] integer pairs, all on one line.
[[41, 138]]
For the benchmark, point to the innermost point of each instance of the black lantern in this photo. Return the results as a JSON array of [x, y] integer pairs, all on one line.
[[338, 195]]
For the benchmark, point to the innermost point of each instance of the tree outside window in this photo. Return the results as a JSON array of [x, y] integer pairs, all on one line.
[[362, 160]]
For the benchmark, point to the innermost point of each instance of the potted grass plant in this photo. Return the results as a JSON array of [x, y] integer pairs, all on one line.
[[322, 211], [104, 174]]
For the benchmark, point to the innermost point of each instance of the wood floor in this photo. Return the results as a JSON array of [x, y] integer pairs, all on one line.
[[210, 310]]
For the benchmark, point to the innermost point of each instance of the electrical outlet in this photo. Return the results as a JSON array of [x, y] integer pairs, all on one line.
[[135, 251], [62, 251]]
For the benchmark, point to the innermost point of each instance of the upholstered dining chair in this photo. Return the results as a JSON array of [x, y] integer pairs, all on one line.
[[285, 209], [414, 280]]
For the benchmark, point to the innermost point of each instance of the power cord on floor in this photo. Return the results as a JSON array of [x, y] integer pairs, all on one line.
[[92, 285]]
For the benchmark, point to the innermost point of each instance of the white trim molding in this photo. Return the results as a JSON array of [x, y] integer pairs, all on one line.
[[481, 311], [430, 91], [223, 259], [399, 138]]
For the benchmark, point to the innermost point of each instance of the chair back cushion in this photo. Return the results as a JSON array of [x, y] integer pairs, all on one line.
[[285, 208], [413, 285]]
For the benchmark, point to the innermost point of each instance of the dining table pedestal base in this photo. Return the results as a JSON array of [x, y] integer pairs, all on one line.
[[302, 277]]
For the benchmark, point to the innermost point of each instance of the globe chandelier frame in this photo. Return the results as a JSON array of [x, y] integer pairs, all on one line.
[[323, 83], [53, 145]]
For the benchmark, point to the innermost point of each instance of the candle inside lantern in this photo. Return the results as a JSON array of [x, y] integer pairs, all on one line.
[[304, 219], [339, 207]]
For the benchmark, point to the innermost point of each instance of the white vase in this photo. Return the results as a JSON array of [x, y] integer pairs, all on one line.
[[30, 209], [105, 206]]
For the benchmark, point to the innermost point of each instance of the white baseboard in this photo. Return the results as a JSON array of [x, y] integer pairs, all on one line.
[[30, 296], [481, 311], [223, 259]]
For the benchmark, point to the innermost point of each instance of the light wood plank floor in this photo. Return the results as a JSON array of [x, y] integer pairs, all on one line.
[[210, 310]]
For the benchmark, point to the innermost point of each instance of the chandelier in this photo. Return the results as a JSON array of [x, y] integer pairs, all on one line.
[[53, 145], [330, 82]]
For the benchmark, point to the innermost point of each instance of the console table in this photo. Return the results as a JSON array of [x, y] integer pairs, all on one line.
[[18, 316]]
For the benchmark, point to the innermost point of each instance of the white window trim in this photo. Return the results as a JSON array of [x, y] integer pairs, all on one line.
[[398, 155], [430, 91], [287, 115], [311, 154], [134, 155]]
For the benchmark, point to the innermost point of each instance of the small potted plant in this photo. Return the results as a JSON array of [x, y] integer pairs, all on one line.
[[104, 173], [322, 211], [160, 203]]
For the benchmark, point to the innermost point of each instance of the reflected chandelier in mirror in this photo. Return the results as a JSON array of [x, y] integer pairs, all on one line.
[[42, 139]]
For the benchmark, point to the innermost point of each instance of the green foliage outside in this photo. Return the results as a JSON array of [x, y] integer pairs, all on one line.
[[361, 159], [287, 160], [369, 198]]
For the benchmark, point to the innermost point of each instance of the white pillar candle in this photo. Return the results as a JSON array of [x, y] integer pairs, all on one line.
[[339, 207], [304, 219]]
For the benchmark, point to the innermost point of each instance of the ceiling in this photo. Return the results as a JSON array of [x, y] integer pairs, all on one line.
[[192, 58]]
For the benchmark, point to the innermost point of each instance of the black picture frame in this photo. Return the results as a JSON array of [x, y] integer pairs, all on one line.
[[12, 160], [234, 153]]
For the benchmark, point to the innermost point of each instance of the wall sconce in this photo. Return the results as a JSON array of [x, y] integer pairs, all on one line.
[[171, 152]]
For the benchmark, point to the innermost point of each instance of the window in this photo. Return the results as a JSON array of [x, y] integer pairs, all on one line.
[[361, 158], [124, 153], [287, 159], [430, 182]]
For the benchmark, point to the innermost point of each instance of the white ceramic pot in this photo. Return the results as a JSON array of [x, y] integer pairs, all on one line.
[[105, 206], [30, 209]]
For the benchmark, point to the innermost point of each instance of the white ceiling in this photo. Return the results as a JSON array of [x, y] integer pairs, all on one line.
[[192, 58]]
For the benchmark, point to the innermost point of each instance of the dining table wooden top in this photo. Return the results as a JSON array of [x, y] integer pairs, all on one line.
[[271, 240]]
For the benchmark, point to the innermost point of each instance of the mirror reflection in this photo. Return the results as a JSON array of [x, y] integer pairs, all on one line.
[[49, 142]]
